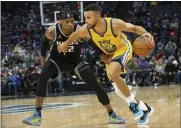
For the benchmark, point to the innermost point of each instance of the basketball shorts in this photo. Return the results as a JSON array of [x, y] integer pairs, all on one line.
[[56, 67], [122, 56]]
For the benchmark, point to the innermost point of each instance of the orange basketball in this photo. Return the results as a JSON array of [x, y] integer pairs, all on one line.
[[142, 47]]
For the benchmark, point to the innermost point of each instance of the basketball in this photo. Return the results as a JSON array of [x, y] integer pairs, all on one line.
[[142, 47]]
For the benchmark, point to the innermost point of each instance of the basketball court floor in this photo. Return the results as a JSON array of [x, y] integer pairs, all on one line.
[[84, 111]]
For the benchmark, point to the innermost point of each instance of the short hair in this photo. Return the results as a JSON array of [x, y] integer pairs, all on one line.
[[93, 7], [65, 14]]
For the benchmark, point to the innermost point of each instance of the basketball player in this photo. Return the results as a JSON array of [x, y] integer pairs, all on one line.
[[57, 63], [108, 37]]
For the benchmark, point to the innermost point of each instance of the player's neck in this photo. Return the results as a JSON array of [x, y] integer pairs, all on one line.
[[101, 26]]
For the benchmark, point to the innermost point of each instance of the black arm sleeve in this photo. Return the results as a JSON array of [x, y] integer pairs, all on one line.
[[44, 45]]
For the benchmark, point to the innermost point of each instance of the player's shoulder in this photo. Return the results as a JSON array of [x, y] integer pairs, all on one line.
[[117, 24], [51, 28], [113, 20], [50, 32], [116, 21]]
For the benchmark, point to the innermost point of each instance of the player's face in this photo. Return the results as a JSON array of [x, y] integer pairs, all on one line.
[[91, 18], [68, 25]]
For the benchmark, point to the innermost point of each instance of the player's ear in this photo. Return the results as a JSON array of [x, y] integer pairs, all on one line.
[[98, 14]]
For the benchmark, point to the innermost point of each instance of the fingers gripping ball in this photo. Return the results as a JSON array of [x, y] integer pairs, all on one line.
[[142, 46]]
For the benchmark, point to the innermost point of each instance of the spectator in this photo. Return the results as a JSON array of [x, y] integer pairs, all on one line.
[[171, 48], [152, 61], [160, 69], [153, 79], [170, 71], [31, 15], [160, 66], [27, 59], [4, 79], [160, 46], [132, 75], [174, 25], [143, 64], [34, 76], [36, 44], [149, 24], [21, 51], [27, 84], [14, 82], [37, 61], [173, 34]]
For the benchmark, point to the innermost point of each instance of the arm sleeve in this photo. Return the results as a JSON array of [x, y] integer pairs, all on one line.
[[44, 45]]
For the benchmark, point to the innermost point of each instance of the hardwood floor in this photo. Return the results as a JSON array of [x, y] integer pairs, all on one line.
[[84, 111]]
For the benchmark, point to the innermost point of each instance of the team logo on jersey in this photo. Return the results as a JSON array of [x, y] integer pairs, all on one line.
[[107, 46], [73, 43], [71, 47]]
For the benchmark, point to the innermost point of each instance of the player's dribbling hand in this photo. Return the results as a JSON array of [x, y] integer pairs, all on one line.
[[151, 40], [62, 47]]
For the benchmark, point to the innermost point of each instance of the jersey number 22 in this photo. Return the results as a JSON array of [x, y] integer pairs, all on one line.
[[70, 48]]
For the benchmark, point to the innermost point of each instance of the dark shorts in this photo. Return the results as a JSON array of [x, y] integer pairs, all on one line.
[[56, 67]]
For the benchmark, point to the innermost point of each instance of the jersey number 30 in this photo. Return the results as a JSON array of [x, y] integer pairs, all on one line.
[[70, 48]]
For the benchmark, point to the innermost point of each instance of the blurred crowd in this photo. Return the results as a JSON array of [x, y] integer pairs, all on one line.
[[75, 7], [70, 6], [163, 66], [21, 31]]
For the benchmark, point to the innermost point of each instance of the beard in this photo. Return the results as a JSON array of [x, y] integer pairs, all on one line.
[[91, 26]]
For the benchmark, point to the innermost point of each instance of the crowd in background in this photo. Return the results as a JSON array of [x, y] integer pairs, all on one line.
[[21, 31], [163, 20], [48, 9], [163, 66]]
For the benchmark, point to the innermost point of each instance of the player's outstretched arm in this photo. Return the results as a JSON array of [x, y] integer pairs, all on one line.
[[128, 27], [82, 32]]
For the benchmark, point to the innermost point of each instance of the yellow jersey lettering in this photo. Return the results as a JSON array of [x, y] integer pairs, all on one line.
[[109, 43]]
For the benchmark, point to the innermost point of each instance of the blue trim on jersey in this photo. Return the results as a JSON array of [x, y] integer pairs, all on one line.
[[103, 32], [127, 53], [112, 28], [123, 58]]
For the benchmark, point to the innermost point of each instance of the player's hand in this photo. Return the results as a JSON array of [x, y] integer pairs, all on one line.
[[150, 37], [62, 47], [106, 58]]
